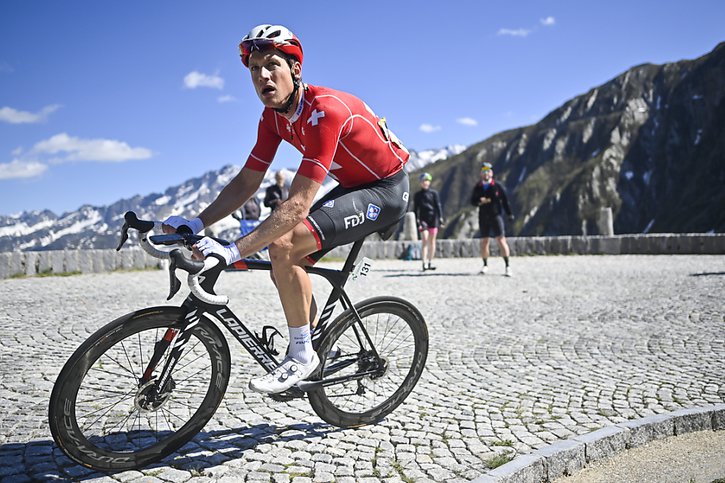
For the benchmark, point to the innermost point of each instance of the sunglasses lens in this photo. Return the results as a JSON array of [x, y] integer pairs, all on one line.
[[249, 46]]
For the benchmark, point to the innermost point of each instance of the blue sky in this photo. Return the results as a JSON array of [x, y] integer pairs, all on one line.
[[104, 100]]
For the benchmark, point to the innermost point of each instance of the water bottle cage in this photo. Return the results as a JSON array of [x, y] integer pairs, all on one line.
[[267, 338]]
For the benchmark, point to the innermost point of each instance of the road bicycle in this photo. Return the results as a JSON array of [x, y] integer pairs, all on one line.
[[142, 386]]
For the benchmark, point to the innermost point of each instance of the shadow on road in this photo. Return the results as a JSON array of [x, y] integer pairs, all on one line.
[[707, 274], [42, 460]]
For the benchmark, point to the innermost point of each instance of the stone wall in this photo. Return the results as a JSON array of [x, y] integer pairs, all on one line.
[[74, 261], [89, 261]]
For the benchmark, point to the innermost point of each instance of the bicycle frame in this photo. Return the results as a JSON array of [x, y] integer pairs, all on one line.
[[261, 350]]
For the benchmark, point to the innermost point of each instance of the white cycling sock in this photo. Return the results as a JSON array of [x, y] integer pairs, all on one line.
[[300, 348]]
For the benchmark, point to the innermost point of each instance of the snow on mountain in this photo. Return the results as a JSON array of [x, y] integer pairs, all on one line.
[[419, 159], [99, 227]]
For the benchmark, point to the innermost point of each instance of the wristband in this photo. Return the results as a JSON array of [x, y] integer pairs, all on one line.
[[233, 254]]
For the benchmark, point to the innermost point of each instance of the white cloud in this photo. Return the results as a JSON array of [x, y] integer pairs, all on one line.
[[76, 149], [227, 98], [6, 68], [13, 116], [514, 32], [429, 128], [21, 169], [196, 79], [467, 121], [548, 21]]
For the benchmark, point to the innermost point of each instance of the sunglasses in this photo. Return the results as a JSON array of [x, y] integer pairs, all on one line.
[[246, 47]]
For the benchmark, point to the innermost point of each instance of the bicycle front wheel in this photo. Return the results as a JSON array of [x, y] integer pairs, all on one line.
[[368, 368], [102, 414]]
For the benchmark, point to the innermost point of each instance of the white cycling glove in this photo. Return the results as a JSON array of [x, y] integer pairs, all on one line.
[[175, 222], [207, 246]]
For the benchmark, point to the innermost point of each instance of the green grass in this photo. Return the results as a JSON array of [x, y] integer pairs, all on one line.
[[376, 471], [499, 460], [306, 474], [505, 442], [51, 273], [399, 469]]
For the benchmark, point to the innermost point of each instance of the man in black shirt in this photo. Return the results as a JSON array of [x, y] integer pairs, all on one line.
[[276, 193], [428, 212], [491, 200]]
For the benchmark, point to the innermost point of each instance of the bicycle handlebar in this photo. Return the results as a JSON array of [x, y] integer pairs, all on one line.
[[176, 257]]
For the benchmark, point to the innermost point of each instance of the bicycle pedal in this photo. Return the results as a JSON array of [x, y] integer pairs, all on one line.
[[288, 395]]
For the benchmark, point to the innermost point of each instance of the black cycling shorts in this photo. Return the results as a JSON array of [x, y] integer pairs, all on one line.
[[491, 226], [345, 215]]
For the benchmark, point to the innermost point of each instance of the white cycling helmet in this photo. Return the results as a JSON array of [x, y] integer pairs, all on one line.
[[266, 36]]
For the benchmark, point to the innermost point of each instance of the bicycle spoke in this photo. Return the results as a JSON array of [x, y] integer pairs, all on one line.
[[99, 417], [140, 350], [119, 365], [123, 346]]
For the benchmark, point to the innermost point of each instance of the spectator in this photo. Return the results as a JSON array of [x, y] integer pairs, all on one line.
[[249, 211], [277, 192], [429, 214], [491, 200]]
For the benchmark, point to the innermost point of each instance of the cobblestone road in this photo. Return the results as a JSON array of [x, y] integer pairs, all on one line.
[[569, 345]]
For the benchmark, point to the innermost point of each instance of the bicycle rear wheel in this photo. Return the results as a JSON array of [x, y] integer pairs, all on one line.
[[365, 382], [101, 414]]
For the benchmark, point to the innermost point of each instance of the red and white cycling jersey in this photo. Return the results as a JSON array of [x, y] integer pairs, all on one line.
[[337, 134]]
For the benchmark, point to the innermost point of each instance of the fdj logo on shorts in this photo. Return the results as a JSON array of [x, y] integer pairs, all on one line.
[[373, 212], [354, 220]]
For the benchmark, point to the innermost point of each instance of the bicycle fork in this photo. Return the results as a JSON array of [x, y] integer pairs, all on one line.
[[179, 337]]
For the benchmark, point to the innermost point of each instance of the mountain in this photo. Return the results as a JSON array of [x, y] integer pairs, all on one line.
[[99, 226], [420, 159], [649, 143]]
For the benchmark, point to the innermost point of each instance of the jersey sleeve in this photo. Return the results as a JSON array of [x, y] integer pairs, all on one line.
[[474, 196], [323, 129], [505, 202], [439, 208], [265, 148]]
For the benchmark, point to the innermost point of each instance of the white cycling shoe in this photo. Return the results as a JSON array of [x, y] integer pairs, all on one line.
[[289, 373]]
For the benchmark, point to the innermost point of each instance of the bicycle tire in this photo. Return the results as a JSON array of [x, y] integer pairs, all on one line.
[[396, 317], [126, 341]]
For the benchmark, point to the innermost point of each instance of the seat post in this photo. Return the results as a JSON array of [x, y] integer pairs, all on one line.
[[354, 252]]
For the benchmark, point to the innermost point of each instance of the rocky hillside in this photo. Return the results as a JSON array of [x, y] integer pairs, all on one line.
[[650, 144]]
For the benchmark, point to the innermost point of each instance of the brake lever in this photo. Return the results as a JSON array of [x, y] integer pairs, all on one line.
[[132, 221], [177, 259], [124, 235], [174, 282]]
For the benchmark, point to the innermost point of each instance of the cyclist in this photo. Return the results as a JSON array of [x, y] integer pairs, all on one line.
[[491, 200], [339, 136], [428, 212]]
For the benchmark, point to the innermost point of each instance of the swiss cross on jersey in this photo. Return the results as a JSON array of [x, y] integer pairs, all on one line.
[[315, 117]]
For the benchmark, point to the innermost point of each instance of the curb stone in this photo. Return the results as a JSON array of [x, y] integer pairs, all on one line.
[[564, 458]]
